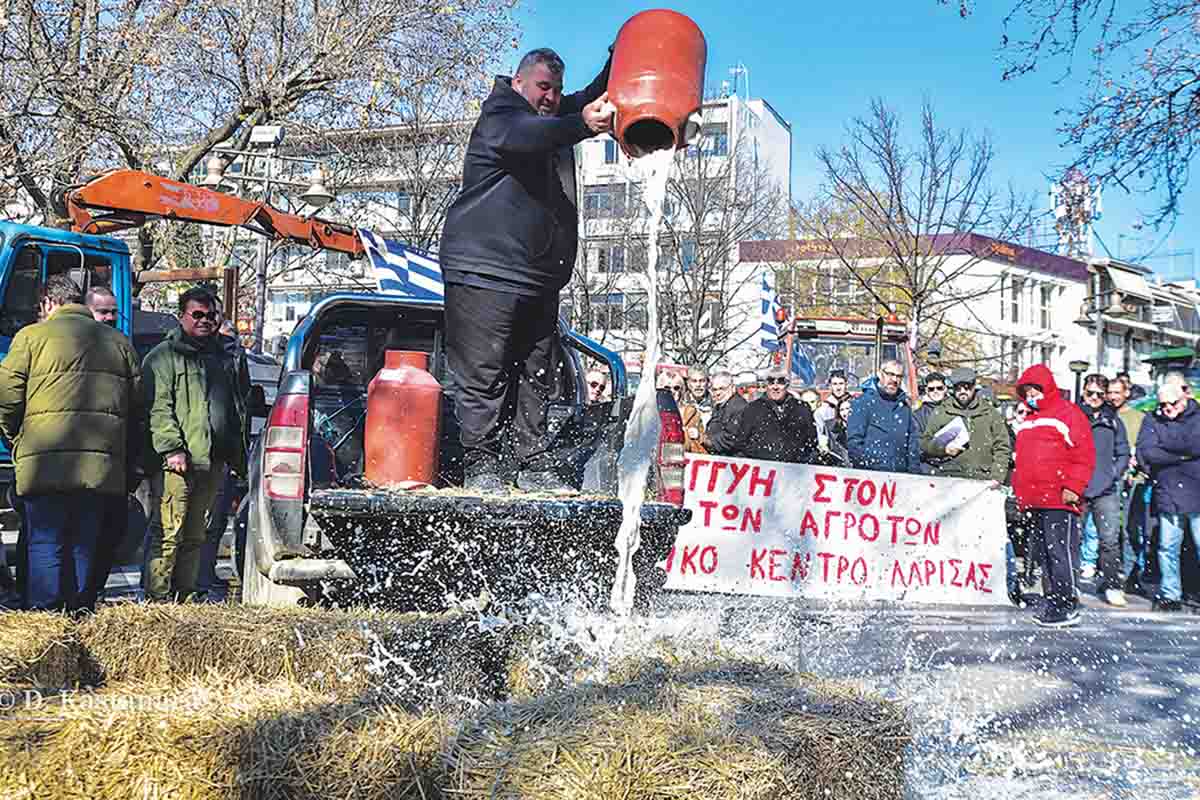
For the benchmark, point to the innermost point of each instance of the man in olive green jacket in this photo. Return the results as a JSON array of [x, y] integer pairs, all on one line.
[[71, 408], [985, 456], [196, 392]]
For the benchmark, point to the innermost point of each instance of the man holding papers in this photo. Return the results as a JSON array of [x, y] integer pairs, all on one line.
[[966, 436]]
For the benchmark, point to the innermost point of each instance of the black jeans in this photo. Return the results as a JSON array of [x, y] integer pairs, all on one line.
[[1053, 534], [504, 359]]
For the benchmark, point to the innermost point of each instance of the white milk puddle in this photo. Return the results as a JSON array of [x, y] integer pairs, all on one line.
[[642, 431]]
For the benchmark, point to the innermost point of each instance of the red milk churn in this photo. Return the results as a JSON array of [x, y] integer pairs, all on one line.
[[657, 81], [404, 419]]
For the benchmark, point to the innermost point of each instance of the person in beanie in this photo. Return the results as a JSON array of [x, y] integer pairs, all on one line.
[[1055, 459], [71, 410], [1102, 517], [881, 434], [985, 457], [196, 391], [987, 454], [507, 249], [777, 426], [1169, 447]]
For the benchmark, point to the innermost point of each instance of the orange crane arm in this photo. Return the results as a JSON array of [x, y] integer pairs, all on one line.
[[129, 198]]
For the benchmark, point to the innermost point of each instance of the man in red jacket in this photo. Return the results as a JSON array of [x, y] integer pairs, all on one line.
[[1055, 457]]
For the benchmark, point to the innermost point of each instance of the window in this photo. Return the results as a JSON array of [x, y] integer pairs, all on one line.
[[687, 254], [1018, 352], [403, 203], [1047, 293], [610, 258], [610, 151], [608, 312], [23, 295], [1014, 305], [637, 314], [603, 202], [711, 314], [1003, 297], [1047, 353]]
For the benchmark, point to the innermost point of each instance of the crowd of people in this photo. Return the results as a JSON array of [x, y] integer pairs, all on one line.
[[87, 421], [1088, 481]]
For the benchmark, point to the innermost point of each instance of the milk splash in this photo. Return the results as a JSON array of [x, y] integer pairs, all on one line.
[[642, 430]]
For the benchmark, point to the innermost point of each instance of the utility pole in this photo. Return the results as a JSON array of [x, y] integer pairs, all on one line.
[[262, 262]]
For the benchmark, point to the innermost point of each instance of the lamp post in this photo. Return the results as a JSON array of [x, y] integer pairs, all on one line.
[[1078, 367], [315, 195]]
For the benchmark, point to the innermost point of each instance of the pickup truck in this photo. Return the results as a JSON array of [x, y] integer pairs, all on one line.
[[316, 532]]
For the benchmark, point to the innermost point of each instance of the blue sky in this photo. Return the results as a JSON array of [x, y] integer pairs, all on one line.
[[819, 64]]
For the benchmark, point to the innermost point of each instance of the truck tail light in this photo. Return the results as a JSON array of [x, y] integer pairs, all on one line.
[[285, 444], [671, 458]]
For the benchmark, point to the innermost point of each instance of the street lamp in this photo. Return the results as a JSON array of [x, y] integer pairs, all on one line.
[[1078, 367]]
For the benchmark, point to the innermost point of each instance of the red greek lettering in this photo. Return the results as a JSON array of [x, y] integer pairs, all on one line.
[[800, 566], [862, 527], [696, 465], [708, 560], [858, 572], [752, 518], [773, 564], [887, 494], [757, 482], [820, 496], [739, 471], [825, 559], [756, 563], [829, 518], [984, 569], [850, 484], [849, 521], [688, 559], [866, 492], [933, 533], [708, 506], [895, 523], [809, 522]]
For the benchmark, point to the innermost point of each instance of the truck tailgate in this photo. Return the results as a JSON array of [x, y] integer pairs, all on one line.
[[511, 509], [410, 550]]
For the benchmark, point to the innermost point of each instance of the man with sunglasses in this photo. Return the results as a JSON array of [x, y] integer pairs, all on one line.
[[196, 391], [1168, 446], [777, 426], [1102, 514], [597, 383], [881, 433]]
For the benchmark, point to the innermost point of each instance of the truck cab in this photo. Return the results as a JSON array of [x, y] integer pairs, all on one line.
[[29, 255]]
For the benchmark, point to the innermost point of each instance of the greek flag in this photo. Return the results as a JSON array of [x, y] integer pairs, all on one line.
[[768, 331], [400, 269]]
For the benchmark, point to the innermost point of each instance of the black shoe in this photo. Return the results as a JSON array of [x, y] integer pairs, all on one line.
[[544, 483], [485, 483], [1016, 598], [1067, 619], [1133, 584], [1161, 604]]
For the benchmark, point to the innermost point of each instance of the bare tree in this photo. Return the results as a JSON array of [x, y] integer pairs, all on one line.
[[90, 84], [892, 228], [1137, 122], [717, 196]]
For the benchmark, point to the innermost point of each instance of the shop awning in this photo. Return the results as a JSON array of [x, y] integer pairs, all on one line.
[[1130, 283]]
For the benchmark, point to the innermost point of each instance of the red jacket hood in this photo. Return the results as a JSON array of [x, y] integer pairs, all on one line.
[[1041, 375]]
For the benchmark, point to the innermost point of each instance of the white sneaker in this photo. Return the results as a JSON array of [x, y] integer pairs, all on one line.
[[1115, 597], [1087, 571]]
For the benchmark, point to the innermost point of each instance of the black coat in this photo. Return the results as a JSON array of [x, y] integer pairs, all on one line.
[[782, 431], [723, 425], [1170, 450], [512, 226], [1112, 449]]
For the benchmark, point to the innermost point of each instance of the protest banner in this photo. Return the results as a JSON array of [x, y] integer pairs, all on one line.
[[798, 530]]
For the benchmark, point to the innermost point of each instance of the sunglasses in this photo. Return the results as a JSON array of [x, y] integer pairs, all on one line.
[[211, 316], [934, 388], [777, 381], [595, 384], [1094, 393]]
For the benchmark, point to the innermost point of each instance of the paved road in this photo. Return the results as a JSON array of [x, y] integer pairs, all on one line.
[[1002, 708]]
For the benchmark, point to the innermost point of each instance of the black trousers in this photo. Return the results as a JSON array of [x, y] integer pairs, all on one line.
[[504, 358], [1054, 535]]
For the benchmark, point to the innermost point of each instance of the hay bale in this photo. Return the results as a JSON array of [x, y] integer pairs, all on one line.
[[424, 660], [39, 649], [729, 730], [218, 741]]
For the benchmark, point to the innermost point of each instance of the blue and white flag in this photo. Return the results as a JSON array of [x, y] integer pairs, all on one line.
[[802, 365], [400, 269], [768, 330]]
